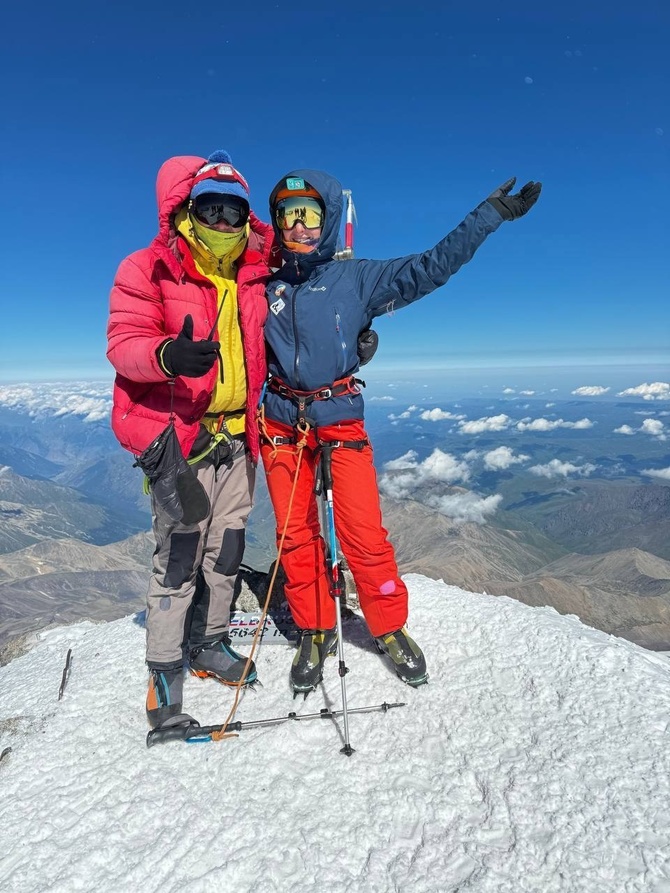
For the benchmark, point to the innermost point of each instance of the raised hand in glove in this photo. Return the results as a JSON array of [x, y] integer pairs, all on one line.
[[184, 356], [511, 207]]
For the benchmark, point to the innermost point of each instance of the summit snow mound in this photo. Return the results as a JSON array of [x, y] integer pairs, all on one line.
[[536, 759]]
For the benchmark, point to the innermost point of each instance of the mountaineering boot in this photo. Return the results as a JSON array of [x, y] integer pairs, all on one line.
[[219, 660], [164, 696], [408, 660], [314, 646]]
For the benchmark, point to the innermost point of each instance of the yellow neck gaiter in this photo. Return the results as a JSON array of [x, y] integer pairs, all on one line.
[[221, 245]]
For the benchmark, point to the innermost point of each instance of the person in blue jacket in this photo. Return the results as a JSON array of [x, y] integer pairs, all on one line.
[[318, 308]]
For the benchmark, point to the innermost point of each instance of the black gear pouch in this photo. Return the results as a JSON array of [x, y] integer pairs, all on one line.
[[174, 484]]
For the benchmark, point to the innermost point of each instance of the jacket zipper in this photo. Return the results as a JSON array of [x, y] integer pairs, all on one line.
[[295, 336], [342, 343], [295, 323]]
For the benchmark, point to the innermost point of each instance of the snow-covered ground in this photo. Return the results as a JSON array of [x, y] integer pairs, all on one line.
[[537, 759]]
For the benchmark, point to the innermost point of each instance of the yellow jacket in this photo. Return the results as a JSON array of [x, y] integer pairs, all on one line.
[[227, 407]]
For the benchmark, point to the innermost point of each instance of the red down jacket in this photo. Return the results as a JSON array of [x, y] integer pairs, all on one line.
[[153, 291]]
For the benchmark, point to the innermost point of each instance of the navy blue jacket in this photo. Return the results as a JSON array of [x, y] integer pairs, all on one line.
[[318, 305]]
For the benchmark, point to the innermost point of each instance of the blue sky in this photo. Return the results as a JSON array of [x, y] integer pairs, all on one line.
[[421, 109]]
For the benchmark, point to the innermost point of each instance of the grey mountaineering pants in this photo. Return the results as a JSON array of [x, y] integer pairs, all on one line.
[[194, 568]]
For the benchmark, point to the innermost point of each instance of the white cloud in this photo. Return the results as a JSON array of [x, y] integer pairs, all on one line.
[[441, 466], [556, 468], [407, 460], [438, 466], [663, 473], [492, 423], [509, 391], [465, 508], [438, 415], [550, 424], [654, 427], [385, 399], [404, 415], [549, 405], [527, 393], [656, 390], [91, 401], [594, 390], [407, 475], [406, 478], [502, 458]]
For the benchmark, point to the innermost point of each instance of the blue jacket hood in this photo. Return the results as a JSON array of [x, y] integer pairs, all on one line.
[[330, 191]]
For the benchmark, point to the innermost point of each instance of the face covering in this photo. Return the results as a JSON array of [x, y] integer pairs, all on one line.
[[220, 244]]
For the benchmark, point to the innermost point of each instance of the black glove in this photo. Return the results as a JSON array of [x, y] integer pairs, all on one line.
[[184, 356], [366, 348], [511, 207]]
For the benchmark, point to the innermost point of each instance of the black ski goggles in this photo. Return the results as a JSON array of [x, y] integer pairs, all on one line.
[[298, 209], [211, 209]]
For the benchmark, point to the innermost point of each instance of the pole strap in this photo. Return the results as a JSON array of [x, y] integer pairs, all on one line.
[[324, 473]]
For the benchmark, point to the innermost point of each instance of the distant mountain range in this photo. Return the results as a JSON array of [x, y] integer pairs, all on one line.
[[74, 541], [625, 592], [34, 509], [598, 516]]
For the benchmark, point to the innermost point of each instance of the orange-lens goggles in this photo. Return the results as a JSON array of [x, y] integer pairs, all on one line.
[[298, 209]]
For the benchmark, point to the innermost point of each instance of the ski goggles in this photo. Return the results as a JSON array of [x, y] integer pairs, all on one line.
[[299, 209], [211, 209]]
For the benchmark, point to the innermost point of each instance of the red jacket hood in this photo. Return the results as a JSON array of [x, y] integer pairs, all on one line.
[[173, 187]]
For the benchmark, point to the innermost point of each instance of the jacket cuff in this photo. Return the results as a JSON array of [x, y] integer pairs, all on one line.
[[161, 361]]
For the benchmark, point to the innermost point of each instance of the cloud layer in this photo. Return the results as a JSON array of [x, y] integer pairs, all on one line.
[[92, 401]]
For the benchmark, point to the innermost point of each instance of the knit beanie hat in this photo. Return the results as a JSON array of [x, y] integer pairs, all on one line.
[[220, 177]]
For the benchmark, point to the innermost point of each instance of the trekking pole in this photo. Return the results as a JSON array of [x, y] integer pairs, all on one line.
[[184, 728], [336, 581]]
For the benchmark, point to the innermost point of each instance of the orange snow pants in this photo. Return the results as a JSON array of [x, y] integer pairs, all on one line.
[[358, 525]]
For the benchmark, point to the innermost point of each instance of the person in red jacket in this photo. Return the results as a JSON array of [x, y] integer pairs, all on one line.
[[185, 337]]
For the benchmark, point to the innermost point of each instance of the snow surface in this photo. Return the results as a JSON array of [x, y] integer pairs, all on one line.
[[537, 759]]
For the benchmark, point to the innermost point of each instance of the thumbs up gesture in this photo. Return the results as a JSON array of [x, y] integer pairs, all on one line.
[[184, 356]]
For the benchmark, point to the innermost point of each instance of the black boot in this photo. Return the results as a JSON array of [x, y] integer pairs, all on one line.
[[314, 646], [408, 660]]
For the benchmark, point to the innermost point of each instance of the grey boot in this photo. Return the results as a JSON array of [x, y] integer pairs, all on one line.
[[219, 660], [164, 696]]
